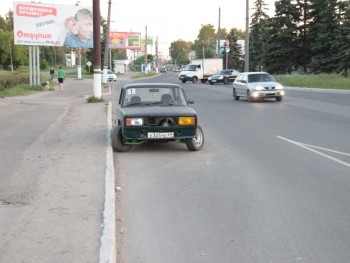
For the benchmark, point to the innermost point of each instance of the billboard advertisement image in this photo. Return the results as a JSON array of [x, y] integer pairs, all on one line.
[[53, 25], [124, 40]]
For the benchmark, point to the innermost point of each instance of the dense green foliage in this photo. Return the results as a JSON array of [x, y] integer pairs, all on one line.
[[12, 79], [303, 35]]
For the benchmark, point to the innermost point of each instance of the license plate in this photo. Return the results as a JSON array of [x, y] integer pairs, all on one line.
[[160, 135], [214, 80]]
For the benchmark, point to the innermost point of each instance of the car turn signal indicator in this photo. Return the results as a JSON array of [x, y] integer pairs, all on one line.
[[187, 121]]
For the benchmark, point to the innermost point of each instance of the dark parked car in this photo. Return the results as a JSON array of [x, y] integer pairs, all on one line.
[[223, 76], [149, 112], [257, 86]]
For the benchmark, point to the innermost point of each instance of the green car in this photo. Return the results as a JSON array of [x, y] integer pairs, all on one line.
[[154, 112]]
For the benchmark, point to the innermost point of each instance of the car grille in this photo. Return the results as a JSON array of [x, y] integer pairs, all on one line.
[[269, 88], [160, 121]]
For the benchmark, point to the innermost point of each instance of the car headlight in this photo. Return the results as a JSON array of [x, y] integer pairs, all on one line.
[[209, 78], [255, 94], [133, 121], [279, 86], [221, 77], [187, 121]]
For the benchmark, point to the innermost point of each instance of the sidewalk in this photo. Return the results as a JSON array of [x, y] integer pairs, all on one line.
[[71, 217]]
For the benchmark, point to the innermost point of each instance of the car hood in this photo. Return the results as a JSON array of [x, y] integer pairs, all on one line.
[[218, 76], [265, 84], [156, 111]]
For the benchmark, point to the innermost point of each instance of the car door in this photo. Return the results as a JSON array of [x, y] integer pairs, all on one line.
[[232, 76], [238, 84]]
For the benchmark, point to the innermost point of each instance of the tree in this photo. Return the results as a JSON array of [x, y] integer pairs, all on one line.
[[234, 56], [343, 38], [303, 24], [179, 51], [257, 35], [206, 42], [323, 30], [281, 43]]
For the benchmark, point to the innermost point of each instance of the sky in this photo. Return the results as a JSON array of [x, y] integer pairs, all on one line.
[[168, 20]]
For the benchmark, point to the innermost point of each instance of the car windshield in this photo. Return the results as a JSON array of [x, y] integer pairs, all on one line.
[[154, 96], [260, 78], [223, 72], [191, 67]]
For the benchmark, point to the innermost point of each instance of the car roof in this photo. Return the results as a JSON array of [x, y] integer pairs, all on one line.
[[255, 72], [152, 85]]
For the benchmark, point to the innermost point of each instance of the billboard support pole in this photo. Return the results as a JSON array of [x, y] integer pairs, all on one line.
[[38, 65], [79, 63], [30, 66], [97, 49], [105, 58]]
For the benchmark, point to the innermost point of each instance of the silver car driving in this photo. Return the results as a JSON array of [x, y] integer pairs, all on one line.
[[257, 86]]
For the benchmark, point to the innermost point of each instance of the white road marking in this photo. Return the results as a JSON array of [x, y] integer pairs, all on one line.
[[313, 147]]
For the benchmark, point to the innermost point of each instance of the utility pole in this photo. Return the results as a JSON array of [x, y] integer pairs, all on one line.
[[246, 64], [97, 48], [146, 52], [218, 36], [105, 58]]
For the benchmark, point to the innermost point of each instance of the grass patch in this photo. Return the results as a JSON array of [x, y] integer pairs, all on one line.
[[93, 99], [20, 90], [144, 75], [322, 81]]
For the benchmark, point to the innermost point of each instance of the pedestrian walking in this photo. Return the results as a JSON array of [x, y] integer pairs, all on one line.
[[61, 76], [52, 73]]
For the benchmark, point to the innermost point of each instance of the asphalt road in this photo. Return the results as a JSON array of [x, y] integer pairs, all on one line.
[[271, 183]]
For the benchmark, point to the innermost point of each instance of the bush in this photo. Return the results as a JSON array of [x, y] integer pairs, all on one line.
[[10, 80], [43, 64], [93, 99]]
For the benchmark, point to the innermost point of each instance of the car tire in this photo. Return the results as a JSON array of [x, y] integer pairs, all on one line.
[[118, 144], [235, 94], [196, 143], [279, 98], [211, 83], [249, 97], [225, 81], [183, 81]]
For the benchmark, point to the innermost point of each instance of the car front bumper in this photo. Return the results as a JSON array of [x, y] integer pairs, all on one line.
[[267, 94], [144, 133]]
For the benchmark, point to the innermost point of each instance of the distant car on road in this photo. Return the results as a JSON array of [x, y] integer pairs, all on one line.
[[256, 86], [153, 112], [223, 76], [111, 76]]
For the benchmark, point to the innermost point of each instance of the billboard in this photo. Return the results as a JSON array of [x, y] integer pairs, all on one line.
[[53, 25], [124, 40]]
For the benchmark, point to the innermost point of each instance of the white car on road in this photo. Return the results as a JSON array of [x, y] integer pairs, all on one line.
[[257, 86]]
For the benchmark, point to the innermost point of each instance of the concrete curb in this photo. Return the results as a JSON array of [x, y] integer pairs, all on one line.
[[108, 239]]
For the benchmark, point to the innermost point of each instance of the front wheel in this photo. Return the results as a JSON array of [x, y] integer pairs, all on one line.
[[250, 98], [279, 98], [196, 143], [235, 96], [118, 143], [225, 81], [183, 81]]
